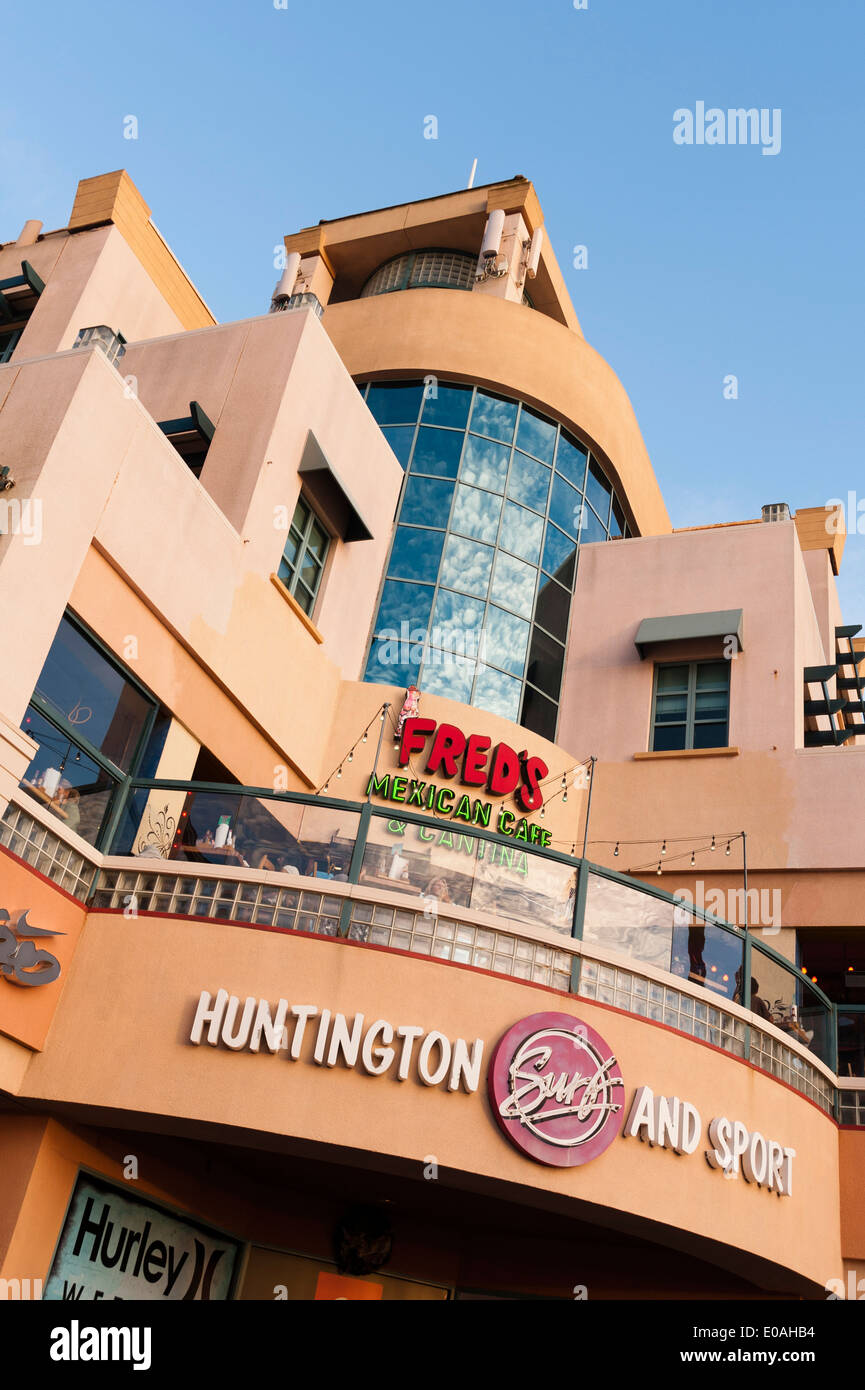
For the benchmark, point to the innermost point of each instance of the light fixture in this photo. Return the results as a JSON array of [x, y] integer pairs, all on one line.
[[659, 866], [326, 787], [693, 859], [712, 845], [543, 812], [664, 847], [384, 707], [339, 772], [813, 979], [727, 850], [363, 740], [616, 851]]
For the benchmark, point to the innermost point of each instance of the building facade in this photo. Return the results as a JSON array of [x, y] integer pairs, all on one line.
[[424, 873]]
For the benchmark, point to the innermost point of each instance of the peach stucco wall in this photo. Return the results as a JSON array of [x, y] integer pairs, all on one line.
[[135, 1059]]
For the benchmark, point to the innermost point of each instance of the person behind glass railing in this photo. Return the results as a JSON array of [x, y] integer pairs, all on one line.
[[68, 801], [759, 1005]]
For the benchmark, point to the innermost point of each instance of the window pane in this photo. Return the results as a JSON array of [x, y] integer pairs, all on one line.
[[514, 585], [466, 566], [592, 530], [553, 608], [316, 542], [546, 659], [539, 714], [437, 451], [301, 517], [672, 678], [485, 464], [449, 407], [392, 662], [598, 491], [400, 602], [559, 556], [571, 459], [497, 693], [710, 705], [536, 435], [399, 437], [310, 572], [617, 518], [668, 737], [670, 708], [457, 624], [506, 640], [713, 675], [416, 553], [396, 402], [303, 595], [529, 482], [65, 780], [565, 506], [476, 513], [427, 500], [495, 416], [447, 674], [710, 735], [521, 532], [87, 691]]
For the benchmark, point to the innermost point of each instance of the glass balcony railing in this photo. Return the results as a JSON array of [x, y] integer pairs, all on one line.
[[431, 861]]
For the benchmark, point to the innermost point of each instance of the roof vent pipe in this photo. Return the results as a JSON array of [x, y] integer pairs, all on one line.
[[776, 511]]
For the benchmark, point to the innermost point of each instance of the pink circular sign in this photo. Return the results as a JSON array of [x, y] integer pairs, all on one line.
[[556, 1089]]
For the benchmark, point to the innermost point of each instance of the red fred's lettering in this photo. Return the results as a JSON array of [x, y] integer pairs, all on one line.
[[534, 770], [414, 736], [448, 745], [475, 765], [504, 772]]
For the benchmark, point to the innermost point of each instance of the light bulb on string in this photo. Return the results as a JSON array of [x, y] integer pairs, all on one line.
[[727, 850], [616, 851], [712, 845], [659, 867], [664, 847], [543, 812], [693, 859], [363, 740], [351, 756], [339, 773], [384, 711], [326, 787]]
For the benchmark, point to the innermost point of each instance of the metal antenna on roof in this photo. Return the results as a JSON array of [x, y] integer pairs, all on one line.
[[471, 182]]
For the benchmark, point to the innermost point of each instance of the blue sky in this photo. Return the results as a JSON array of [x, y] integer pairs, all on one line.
[[703, 261]]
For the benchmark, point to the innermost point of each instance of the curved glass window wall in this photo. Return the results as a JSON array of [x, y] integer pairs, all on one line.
[[415, 270], [496, 501]]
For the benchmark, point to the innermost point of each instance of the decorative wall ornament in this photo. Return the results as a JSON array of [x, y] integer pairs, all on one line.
[[22, 963], [160, 833]]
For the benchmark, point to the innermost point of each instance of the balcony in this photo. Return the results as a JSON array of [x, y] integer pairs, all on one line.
[[287, 862]]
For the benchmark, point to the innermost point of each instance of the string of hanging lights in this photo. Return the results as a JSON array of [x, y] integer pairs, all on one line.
[[336, 775]]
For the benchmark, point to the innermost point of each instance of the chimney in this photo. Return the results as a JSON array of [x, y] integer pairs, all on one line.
[[29, 233], [776, 511]]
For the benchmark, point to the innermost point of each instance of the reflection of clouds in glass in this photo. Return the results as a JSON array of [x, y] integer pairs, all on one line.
[[529, 482], [476, 513], [485, 464], [514, 585], [521, 532], [494, 417], [497, 693], [448, 675], [536, 436], [454, 610], [507, 639], [466, 565]]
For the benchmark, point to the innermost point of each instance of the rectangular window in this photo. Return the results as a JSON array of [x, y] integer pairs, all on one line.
[[691, 706], [303, 560]]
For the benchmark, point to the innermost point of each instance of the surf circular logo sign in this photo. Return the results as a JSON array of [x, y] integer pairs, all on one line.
[[556, 1090]]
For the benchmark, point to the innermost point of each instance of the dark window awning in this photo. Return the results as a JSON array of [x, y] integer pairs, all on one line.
[[329, 494], [689, 627]]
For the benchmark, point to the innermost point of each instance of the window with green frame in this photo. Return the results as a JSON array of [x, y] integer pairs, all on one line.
[[96, 726], [302, 563], [690, 706]]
